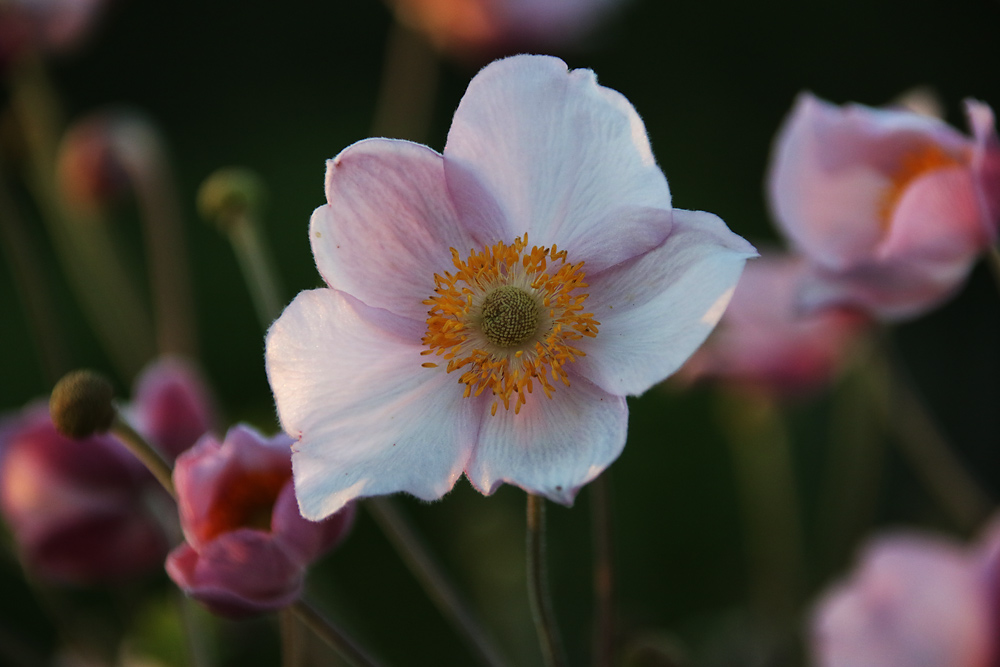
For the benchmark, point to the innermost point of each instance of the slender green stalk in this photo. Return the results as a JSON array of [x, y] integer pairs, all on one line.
[[993, 259], [538, 586], [145, 452], [410, 75], [765, 476], [32, 285], [334, 637], [291, 645], [604, 572], [105, 289], [927, 450], [432, 578], [258, 268], [166, 254]]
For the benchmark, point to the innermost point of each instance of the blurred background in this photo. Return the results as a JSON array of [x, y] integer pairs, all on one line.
[[281, 87]]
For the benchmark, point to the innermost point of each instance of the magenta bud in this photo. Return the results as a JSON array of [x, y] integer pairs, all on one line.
[[76, 510], [247, 546]]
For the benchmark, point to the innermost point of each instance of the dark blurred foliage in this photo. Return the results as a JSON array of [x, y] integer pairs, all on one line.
[[281, 87]]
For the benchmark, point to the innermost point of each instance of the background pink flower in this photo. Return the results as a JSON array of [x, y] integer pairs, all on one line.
[[891, 207], [912, 601], [247, 546], [765, 340], [78, 510]]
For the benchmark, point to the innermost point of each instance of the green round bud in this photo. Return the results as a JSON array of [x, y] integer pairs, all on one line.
[[510, 316], [229, 194], [80, 404]]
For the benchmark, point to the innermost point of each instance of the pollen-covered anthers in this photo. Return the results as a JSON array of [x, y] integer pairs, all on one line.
[[509, 319]]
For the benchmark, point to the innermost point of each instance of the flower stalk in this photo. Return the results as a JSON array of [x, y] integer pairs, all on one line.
[[331, 634], [431, 577], [604, 574], [538, 586]]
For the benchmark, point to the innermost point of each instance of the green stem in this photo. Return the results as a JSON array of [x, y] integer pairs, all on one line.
[[334, 637], [604, 574], [432, 578], [538, 586], [258, 269], [145, 452], [409, 85], [993, 259]]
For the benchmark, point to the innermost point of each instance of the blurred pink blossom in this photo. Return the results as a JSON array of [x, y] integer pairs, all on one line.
[[891, 207], [247, 546], [912, 601], [46, 25], [765, 341], [77, 509], [82, 512], [491, 28], [454, 336]]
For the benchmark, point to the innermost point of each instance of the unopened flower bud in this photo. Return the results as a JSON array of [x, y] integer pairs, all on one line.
[[230, 194], [80, 404]]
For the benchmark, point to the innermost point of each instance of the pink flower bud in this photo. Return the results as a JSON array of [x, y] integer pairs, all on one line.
[[247, 546]]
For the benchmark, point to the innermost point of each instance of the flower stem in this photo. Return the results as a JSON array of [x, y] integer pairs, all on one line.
[[431, 577], [409, 84], [993, 259], [538, 586], [331, 634], [143, 451], [258, 269], [604, 575], [765, 476]]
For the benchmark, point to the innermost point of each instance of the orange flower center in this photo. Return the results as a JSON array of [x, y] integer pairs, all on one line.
[[508, 318], [912, 165]]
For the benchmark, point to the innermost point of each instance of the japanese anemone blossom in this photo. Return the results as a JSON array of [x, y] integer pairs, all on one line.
[[477, 27], [247, 546], [914, 600], [891, 207], [764, 340], [488, 309]]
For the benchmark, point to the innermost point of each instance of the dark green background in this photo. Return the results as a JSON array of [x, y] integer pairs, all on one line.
[[282, 86]]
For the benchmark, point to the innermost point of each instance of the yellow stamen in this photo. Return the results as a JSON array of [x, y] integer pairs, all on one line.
[[507, 318]]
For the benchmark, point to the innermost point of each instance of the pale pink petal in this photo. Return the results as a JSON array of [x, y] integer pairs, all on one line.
[[913, 602], [832, 168], [388, 226], [938, 218], [556, 156], [658, 308], [369, 418], [554, 445]]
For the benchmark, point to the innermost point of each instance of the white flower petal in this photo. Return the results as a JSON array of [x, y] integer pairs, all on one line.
[[554, 446], [657, 309], [556, 156], [388, 226], [369, 419]]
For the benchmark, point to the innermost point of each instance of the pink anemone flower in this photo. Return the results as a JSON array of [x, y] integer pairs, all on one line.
[[487, 310], [766, 342], [913, 601], [891, 207], [247, 547]]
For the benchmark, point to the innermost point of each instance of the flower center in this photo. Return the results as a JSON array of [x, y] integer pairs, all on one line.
[[508, 318], [911, 166]]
